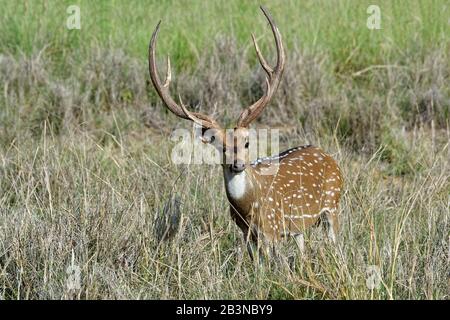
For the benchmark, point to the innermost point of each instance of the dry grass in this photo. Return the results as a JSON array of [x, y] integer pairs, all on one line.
[[85, 176]]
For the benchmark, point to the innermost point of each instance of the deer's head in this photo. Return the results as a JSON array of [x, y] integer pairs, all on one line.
[[234, 146]]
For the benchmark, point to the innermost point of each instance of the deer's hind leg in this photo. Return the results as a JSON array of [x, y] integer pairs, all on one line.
[[330, 223], [299, 239]]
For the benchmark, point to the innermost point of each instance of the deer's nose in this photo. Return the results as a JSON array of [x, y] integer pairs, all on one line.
[[238, 166]]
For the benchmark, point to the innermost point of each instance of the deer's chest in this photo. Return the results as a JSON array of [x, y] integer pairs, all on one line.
[[236, 185]]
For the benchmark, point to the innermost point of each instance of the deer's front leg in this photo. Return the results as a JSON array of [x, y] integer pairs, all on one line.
[[260, 247], [249, 238]]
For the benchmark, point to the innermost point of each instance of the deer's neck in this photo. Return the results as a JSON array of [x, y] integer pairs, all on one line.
[[239, 187]]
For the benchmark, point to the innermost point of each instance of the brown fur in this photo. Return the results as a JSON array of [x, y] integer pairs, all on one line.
[[307, 184]]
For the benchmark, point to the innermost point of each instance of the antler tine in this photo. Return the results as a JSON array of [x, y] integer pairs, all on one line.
[[261, 59], [274, 75], [168, 74], [278, 42], [163, 89]]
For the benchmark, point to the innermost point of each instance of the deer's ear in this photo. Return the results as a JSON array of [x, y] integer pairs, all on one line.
[[209, 136], [206, 139]]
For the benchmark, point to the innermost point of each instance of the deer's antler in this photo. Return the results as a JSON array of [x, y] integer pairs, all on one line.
[[163, 89], [272, 79]]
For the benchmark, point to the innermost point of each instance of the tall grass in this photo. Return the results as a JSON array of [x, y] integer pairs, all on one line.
[[85, 169]]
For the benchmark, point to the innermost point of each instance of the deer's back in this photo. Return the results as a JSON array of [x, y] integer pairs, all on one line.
[[306, 183]]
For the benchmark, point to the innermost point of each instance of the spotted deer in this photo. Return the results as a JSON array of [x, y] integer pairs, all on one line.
[[305, 184]]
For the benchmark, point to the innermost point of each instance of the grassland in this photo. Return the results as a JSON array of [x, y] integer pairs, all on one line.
[[85, 169]]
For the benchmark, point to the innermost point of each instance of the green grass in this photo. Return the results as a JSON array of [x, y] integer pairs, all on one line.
[[85, 167], [337, 27]]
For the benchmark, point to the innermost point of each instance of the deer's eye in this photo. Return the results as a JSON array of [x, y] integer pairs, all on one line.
[[246, 145], [211, 140]]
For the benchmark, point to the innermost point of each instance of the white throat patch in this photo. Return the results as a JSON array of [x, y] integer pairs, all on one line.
[[235, 183]]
